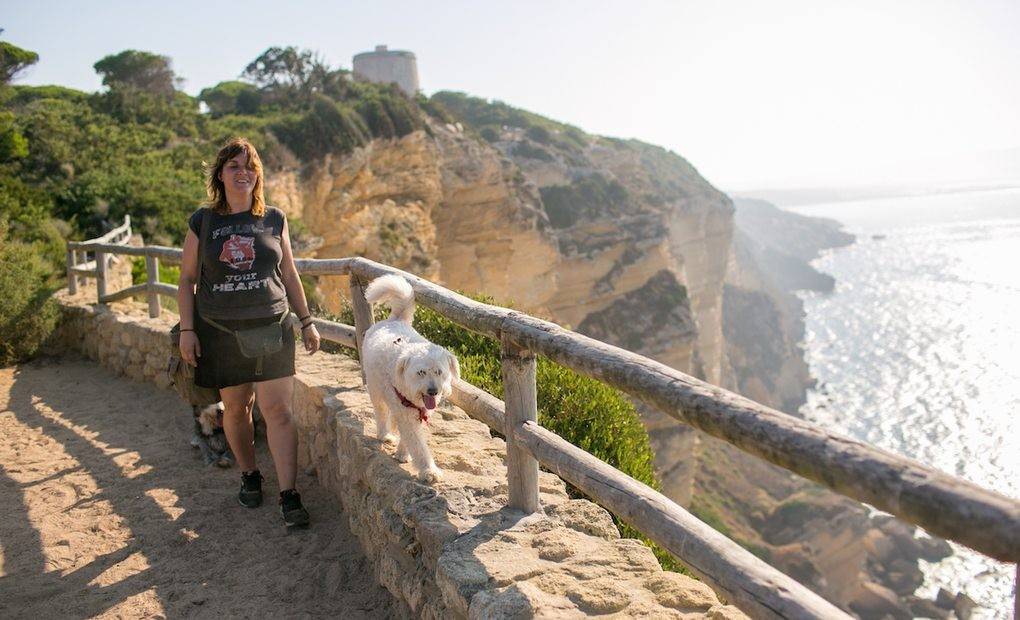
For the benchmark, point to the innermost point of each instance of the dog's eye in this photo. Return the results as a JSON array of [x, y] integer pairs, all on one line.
[[421, 373]]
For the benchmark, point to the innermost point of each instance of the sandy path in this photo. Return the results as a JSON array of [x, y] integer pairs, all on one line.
[[106, 510]]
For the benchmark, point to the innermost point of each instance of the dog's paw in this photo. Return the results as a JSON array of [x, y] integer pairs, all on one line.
[[403, 457], [430, 475], [389, 439]]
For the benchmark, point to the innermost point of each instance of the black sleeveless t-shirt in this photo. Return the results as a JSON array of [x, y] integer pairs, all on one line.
[[241, 276]]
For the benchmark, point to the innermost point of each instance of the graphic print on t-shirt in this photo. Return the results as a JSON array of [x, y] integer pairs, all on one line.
[[238, 252]]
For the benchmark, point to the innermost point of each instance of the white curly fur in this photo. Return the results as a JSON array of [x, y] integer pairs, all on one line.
[[395, 355]]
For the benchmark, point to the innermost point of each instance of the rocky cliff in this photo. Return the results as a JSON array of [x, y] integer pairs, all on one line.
[[626, 242], [618, 239], [763, 322]]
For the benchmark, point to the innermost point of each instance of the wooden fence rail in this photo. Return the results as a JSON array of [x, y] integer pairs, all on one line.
[[942, 504]]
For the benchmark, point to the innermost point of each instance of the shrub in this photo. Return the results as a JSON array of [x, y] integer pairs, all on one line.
[[526, 149], [28, 315], [539, 134], [489, 134], [328, 127], [23, 94], [479, 113], [707, 513], [168, 274], [587, 198], [231, 97], [434, 109]]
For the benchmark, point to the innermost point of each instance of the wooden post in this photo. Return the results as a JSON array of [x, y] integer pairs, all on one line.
[[101, 276], [72, 279], [80, 257], [363, 318], [520, 396], [152, 277]]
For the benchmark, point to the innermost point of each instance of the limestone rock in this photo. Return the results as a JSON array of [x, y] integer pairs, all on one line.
[[964, 606], [875, 601]]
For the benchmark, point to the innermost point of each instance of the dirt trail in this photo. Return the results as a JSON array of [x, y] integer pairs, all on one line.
[[107, 511]]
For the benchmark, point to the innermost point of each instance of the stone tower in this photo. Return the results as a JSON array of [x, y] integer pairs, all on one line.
[[385, 66]]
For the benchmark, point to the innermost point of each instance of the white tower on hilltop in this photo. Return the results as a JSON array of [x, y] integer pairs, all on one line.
[[385, 66]]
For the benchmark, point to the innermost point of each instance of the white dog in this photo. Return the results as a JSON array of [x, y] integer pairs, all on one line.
[[406, 375]]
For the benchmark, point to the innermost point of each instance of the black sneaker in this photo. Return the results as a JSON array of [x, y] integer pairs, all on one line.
[[251, 489], [294, 514]]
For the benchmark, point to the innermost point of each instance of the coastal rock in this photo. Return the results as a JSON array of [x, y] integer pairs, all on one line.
[[945, 599], [964, 606], [924, 608], [875, 601]]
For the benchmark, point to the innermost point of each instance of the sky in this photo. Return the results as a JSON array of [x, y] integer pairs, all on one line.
[[753, 94]]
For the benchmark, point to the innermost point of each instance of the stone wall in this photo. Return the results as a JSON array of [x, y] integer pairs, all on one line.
[[450, 550]]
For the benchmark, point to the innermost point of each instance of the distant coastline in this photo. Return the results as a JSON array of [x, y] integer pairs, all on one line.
[[800, 196]]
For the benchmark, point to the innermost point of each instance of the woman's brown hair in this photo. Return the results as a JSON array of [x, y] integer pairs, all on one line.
[[214, 186]]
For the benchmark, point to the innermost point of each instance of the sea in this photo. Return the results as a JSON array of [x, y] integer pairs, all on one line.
[[917, 350]]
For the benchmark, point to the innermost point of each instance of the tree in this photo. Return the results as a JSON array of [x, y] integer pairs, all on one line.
[[281, 68], [143, 71], [14, 60], [231, 98], [289, 75]]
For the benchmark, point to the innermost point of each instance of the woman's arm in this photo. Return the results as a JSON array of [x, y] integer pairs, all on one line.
[[296, 293], [190, 349]]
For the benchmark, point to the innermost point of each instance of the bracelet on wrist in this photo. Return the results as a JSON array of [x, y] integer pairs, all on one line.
[[306, 326], [304, 318], [186, 330]]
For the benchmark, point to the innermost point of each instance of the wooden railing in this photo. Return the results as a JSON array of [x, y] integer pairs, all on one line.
[[944, 505]]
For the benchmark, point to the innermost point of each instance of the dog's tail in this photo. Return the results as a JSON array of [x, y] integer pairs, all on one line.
[[394, 291]]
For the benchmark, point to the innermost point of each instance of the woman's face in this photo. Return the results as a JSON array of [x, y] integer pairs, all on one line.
[[237, 177]]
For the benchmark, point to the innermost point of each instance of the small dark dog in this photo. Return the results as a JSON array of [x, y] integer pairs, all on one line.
[[209, 437]]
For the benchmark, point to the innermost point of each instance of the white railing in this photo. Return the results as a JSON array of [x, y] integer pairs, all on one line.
[[942, 504]]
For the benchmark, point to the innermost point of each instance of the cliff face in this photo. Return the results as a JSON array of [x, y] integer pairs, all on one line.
[[618, 239], [580, 237], [625, 242], [763, 322]]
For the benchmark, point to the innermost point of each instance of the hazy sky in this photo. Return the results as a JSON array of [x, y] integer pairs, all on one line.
[[753, 93]]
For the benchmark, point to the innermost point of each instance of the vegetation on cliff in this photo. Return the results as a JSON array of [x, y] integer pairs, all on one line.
[[72, 164], [489, 118]]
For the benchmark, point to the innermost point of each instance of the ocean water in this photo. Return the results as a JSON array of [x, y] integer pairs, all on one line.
[[917, 350]]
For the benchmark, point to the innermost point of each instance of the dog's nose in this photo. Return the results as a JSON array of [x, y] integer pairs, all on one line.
[[433, 391]]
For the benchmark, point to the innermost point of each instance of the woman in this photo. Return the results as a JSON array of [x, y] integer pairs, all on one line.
[[246, 280]]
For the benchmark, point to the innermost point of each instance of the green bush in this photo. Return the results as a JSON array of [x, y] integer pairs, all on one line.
[[489, 134], [168, 274], [328, 127], [478, 114], [231, 97], [586, 198], [525, 149], [434, 109], [707, 513], [28, 314]]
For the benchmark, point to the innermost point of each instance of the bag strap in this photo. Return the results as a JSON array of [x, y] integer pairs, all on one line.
[[203, 230], [224, 328]]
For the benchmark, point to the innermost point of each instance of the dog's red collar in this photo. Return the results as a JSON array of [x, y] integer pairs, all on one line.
[[423, 414]]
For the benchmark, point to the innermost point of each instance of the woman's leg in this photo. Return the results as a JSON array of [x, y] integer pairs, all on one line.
[[274, 398], [237, 405]]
